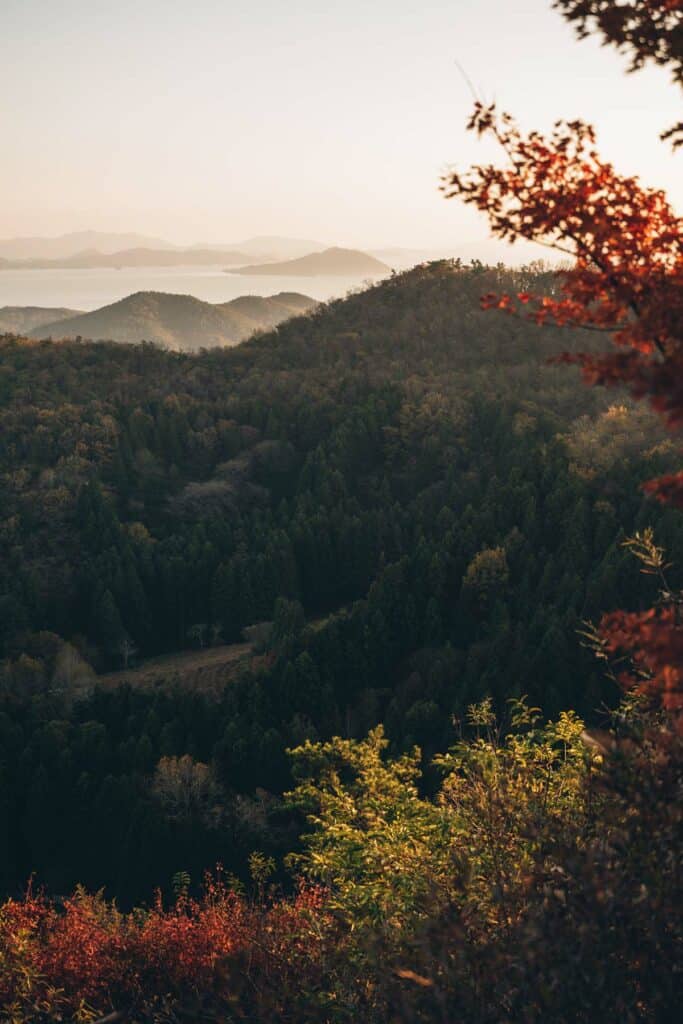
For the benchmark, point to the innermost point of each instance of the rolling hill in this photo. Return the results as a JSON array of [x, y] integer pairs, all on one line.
[[179, 322], [334, 262]]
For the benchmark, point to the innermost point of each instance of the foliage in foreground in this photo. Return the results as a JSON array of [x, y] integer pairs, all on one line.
[[541, 883]]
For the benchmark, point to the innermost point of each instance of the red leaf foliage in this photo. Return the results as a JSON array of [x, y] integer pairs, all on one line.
[[625, 241], [626, 279], [651, 642], [667, 489], [56, 958]]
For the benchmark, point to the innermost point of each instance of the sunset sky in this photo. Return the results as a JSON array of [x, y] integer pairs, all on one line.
[[219, 119]]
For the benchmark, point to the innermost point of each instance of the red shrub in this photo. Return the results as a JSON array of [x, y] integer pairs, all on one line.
[[54, 960]]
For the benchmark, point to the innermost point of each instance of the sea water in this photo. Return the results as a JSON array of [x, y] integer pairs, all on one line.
[[89, 289]]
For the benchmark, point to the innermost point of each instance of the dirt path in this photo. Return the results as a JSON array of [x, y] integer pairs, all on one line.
[[206, 670]]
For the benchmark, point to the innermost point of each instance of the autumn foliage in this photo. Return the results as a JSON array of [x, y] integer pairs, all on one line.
[[82, 957], [625, 279], [540, 883], [625, 242]]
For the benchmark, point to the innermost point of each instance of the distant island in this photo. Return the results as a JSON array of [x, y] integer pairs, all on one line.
[[333, 262], [180, 322]]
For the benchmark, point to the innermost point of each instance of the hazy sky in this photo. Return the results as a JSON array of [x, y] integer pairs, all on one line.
[[217, 119]]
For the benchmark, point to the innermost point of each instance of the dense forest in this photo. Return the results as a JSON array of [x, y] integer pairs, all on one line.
[[400, 499]]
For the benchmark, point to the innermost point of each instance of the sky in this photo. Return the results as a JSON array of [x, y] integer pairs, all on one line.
[[215, 120]]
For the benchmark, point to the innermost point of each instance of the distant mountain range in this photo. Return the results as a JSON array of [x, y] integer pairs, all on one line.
[[330, 262], [333, 262], [179, 322], [272, 254], [36, 247], [82, 246], [140, 257], [108, 249]]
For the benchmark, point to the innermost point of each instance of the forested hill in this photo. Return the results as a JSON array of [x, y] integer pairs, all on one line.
[[406, 470]]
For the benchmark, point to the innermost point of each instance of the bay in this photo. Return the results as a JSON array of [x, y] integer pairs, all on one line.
[[89, 289]]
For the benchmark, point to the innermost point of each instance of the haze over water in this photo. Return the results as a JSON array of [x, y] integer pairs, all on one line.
[[90, 289]]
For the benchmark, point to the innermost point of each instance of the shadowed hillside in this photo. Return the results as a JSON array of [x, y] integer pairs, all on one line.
[[23, 319]]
